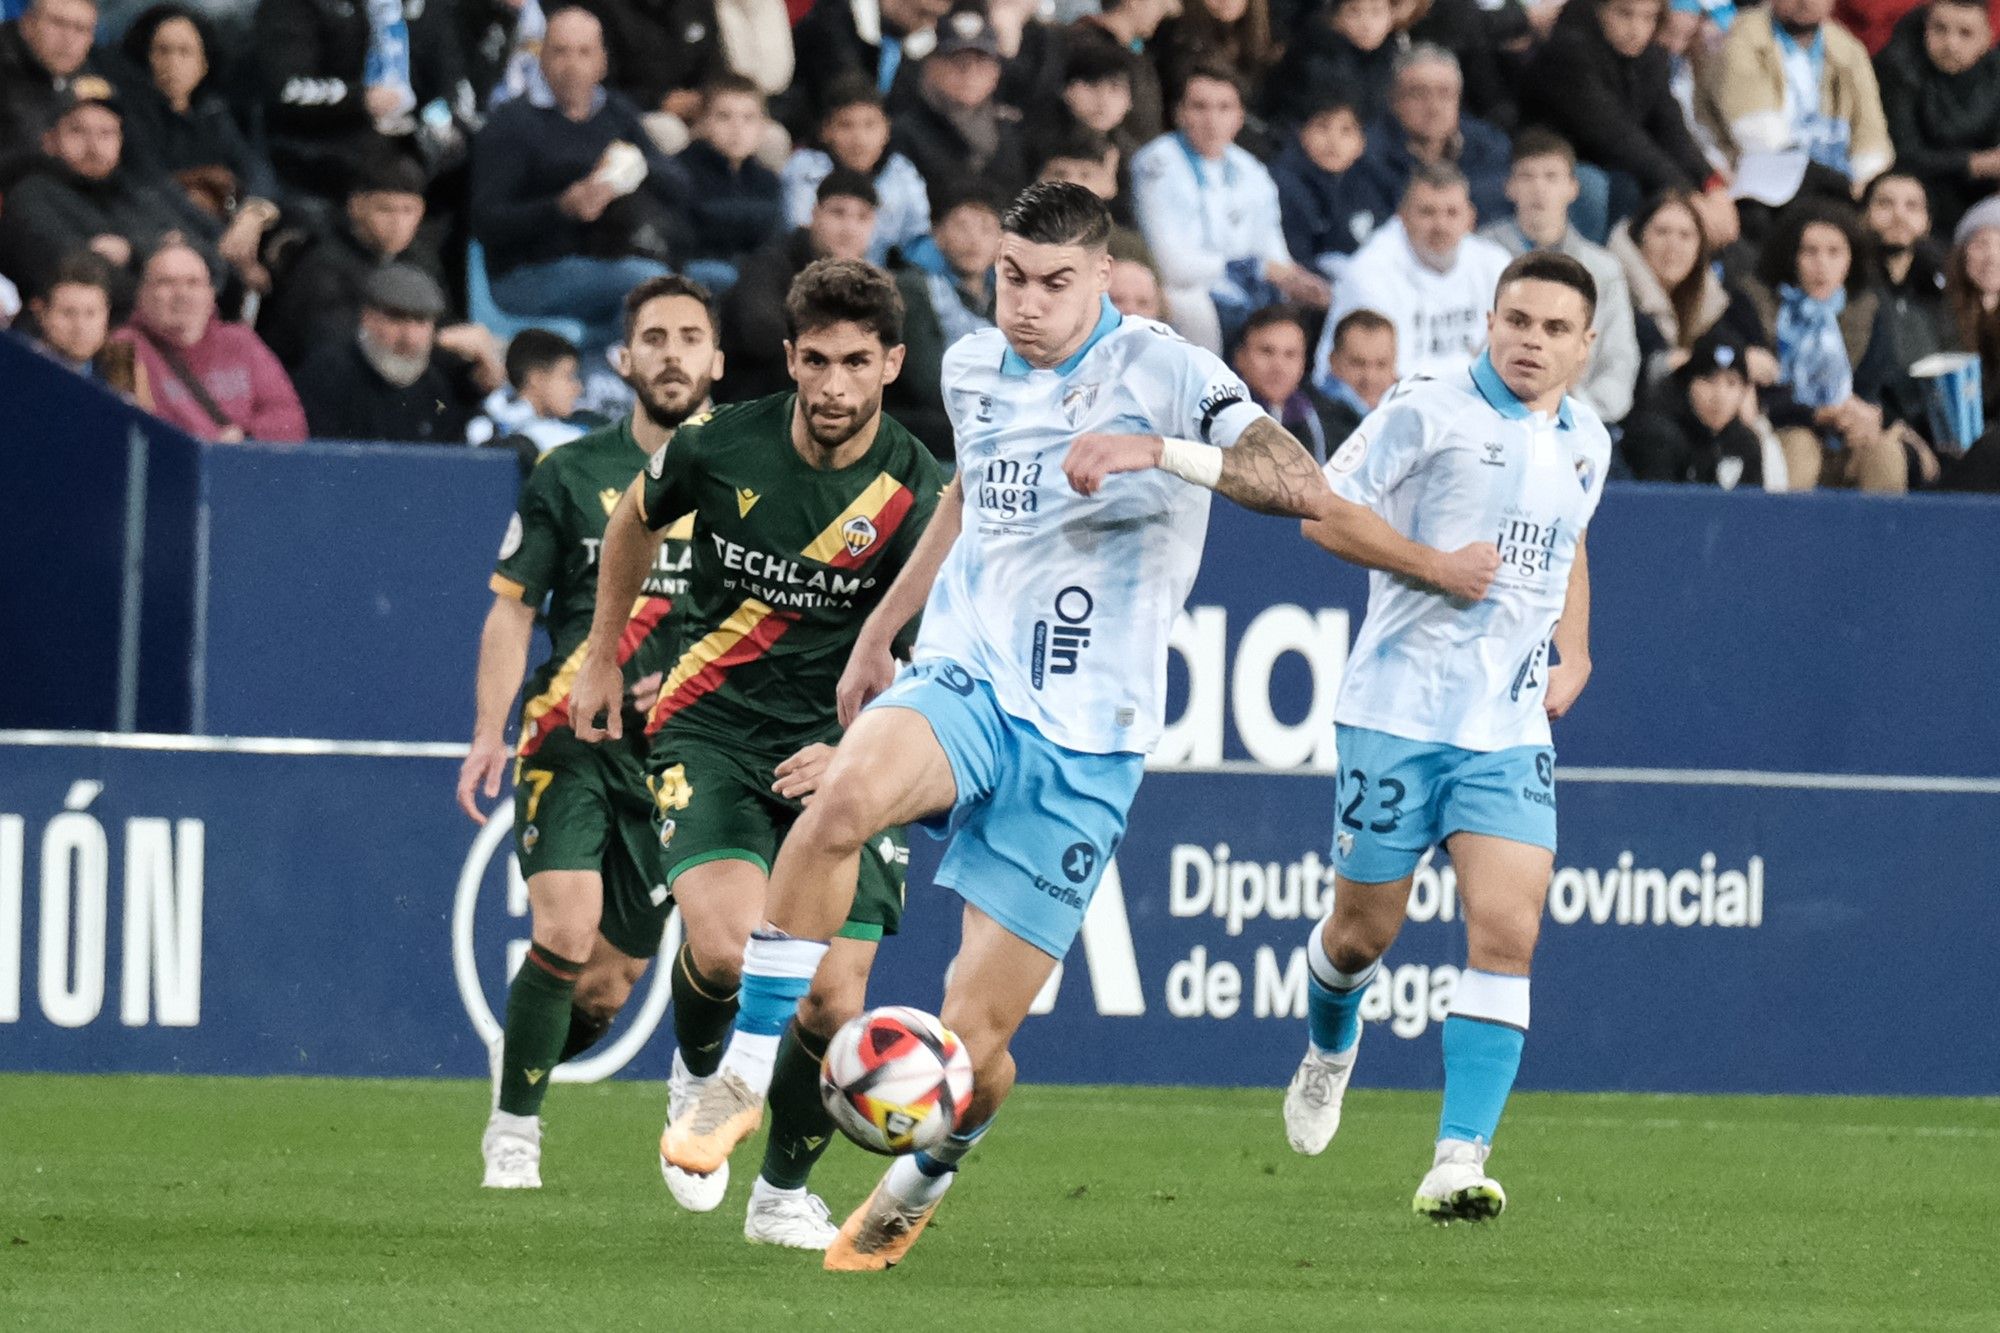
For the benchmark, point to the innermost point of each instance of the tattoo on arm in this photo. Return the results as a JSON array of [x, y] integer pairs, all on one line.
[[1269, 471]]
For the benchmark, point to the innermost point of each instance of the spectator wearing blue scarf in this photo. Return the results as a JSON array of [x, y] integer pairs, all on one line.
[[1834, 357]]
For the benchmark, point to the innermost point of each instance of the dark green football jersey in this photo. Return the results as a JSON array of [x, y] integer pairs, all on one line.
[[551, 551], [788, 562]]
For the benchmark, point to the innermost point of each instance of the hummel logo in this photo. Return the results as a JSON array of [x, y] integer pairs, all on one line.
[[1496, 454], [609, 499], [534, 1075], [813, 1143], [746, 500]]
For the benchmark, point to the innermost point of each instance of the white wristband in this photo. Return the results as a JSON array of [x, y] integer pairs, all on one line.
[[1191, 461]]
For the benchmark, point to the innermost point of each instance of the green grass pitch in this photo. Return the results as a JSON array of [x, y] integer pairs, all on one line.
[[168, 1203]]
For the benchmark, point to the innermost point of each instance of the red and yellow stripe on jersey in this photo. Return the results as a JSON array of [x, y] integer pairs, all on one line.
[[549, 710], [754, 626]]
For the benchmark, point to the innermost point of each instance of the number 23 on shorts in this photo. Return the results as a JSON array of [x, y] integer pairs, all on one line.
[[1387, 807]]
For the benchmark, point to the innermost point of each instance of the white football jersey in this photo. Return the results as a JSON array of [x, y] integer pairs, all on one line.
[[1063, 602], [1447, 462], [1440, 317]]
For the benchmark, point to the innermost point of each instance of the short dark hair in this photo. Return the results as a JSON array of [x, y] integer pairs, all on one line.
[[1361, 321], [1271, 315], [846, 183], [849, 90], [1215, 72], [1778, 264], [1058, 213], [667, 284], [80, 268], [1078, 142], [383, 170], [1551, 266], [730, 84], [1325, 103], [537, 349], [974, 195], [1538, 141], [1876, 182], [1095, 62], [844, 291]]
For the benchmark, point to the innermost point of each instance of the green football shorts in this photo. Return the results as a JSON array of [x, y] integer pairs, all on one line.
[[714, 803], [587, 807]]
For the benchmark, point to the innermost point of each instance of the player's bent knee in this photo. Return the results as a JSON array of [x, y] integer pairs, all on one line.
[[603, 999], [718, 952], [565, 936], [840, 821], [823, 1012]]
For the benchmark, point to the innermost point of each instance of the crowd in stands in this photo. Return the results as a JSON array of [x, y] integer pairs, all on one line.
[[415, 220]]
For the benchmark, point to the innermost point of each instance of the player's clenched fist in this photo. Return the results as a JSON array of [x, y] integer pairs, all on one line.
[[1468, 572], [1092, 458], [599, 692]]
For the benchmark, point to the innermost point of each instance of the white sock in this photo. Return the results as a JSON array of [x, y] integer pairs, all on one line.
[[764, 1189], [1446, 1147], [910, 1187], [752, 1057]]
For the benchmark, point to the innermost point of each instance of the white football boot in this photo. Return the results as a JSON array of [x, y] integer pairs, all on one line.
[[513, 1150], [1457, 1188], [696, 1193], [1312, 1102], [797, 1220]]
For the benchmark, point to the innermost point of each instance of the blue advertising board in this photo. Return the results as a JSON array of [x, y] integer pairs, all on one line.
[[285, 907]]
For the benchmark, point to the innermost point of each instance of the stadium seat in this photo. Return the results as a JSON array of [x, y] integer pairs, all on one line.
[[483, 309]]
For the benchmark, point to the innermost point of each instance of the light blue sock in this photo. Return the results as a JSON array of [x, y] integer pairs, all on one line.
[[777, 973], [766, 1004], [1333, 998], [1482, 1053]]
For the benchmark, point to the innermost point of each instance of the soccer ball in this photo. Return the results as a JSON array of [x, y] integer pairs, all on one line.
[[896, 1080]]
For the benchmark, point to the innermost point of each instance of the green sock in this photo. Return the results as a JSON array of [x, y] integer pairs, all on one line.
[[704, 1010], [585, 1031], [800, 1126], [538, 1006]]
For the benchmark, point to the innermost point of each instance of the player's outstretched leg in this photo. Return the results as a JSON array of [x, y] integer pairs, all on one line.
[[889, 770], [1502, 883], [782, 1211], [993, 982], [1342, 958]]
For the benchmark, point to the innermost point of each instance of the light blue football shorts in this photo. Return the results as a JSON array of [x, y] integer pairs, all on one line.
[[1397, 798], [1034, 824]]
